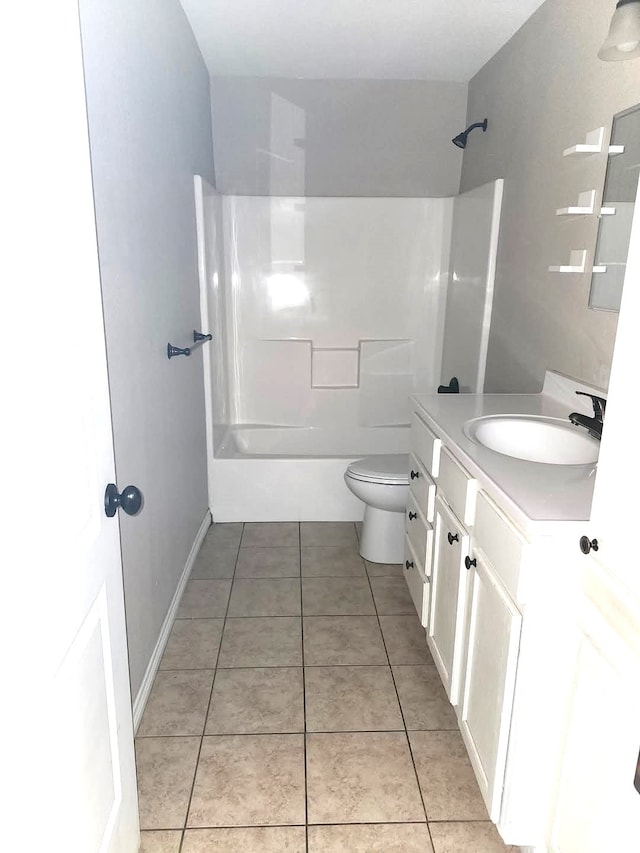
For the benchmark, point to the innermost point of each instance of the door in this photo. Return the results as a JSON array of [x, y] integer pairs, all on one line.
[[493, 640], [70, 757], [449, 578]]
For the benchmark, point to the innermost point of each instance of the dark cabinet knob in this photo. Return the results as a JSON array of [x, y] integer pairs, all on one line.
[[408, 565], [412, 515], [468, 562], [129, 500], [414, 474], [453, 537], [587, 544]]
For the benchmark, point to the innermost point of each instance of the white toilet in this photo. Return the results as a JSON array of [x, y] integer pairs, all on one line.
[[382, 482]]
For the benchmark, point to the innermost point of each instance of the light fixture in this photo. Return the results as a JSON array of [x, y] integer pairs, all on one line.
[[461, 139], [623, 41]]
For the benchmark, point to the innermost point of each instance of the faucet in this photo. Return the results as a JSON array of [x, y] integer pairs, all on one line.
[[592, 425]]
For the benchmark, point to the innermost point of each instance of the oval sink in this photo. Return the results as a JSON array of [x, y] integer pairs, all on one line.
[[534, 438]]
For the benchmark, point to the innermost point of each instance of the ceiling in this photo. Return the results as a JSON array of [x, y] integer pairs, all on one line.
[[368, 39]]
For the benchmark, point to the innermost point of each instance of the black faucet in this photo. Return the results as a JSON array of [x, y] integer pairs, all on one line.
[[592, 425]]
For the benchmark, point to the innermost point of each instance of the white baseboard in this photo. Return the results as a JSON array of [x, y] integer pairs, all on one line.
[[145, 688]]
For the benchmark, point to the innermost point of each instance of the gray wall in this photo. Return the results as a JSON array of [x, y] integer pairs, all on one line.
[[337, 137], [542, 93], [150, 131]]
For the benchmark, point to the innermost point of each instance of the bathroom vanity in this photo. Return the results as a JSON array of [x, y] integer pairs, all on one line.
[[493, 569]]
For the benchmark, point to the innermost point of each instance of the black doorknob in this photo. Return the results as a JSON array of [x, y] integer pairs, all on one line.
[[129, 499], [453, 537], [587, 544], [415, 475], [412, 515], [468, 562], [409, 564]]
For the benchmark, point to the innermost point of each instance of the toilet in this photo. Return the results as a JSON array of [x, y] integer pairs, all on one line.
[[382, 483]]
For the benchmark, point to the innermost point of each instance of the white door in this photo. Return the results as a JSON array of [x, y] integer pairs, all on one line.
[[69, 756], [493, 640], [448, 593]]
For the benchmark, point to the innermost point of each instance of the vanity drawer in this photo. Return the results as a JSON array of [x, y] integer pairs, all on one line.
[[425, 445], [422, 487], [501, 542], [417, 530], [457, 487], [418, 583]]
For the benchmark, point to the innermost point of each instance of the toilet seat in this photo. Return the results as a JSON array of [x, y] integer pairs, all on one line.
[[389, 469]]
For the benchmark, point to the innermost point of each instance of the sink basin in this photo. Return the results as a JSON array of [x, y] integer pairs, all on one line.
[[535, 439]]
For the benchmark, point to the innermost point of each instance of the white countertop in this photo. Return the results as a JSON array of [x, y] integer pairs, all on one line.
[[536, 496]]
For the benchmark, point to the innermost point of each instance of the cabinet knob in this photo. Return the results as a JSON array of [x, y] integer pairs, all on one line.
[[468, 562], [412, 515], [587, 544], [453, 537], [408, 565], [415, 475]]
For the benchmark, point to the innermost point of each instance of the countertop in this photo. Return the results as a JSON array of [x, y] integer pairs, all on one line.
[[538, 497]]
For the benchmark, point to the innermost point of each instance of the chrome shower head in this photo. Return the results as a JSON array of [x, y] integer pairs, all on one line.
[[461, 139]]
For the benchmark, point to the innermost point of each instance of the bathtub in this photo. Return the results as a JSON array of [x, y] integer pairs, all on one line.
[[262, 473]]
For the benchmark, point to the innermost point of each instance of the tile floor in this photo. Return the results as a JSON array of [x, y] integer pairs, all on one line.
[[297, 709]]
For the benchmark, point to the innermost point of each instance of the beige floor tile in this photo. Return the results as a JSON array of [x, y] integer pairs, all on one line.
[[226, 534], [257, 701], [343, 640], [193, 644], [332, 562], [392, 596], [265, 597], [160, 841], [265, 534], [351, 698], [337, 597], [249, 780], [268, 563], [378, 570], [424, 701], [177, 704], [204, 599], [361, 777], [370, 838], [468, 837], [405, 639], [446, 777], [264, 839], [165, 766], [214, 562], [262, 641], [341, 534]]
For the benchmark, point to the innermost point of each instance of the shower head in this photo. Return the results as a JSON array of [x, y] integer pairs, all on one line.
[[461, 139]]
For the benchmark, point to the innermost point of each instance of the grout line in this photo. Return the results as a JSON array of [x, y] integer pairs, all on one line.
[[206, 716], [304, 703]]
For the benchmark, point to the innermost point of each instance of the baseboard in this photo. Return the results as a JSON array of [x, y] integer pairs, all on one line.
[[147, 682]]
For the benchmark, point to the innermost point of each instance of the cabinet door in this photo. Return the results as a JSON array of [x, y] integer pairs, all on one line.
[[597, 806], [449, 578], [493, 639]]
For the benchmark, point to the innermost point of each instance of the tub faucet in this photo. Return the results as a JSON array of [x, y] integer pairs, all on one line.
[[592, 425]]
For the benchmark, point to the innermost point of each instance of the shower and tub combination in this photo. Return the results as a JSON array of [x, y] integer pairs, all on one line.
[[326, 314]]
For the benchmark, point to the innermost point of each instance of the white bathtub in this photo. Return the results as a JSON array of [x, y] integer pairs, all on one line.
[[263, 473]]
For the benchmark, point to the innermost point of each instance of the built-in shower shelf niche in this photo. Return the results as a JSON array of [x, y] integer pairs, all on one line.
[[577, 262], [584, 207], [334, 367]]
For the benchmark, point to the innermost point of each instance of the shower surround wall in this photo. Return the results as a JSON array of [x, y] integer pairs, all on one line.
[[334, 316], [333, 307]]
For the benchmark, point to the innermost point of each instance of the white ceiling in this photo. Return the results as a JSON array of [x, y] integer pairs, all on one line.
[[374, 39]]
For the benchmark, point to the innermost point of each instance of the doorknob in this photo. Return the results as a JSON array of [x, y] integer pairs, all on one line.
[[129, 499], [587, 544]]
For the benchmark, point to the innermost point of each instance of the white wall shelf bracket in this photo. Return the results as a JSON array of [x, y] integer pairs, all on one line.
[[607, 211], [600, 268], [616, 149], [577, 262], [592, 144], [586, 204]]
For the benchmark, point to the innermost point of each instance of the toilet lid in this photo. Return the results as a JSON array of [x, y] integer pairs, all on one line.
[[391, 469]]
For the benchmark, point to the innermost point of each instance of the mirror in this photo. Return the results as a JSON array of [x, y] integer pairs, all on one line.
[[618, 201]]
